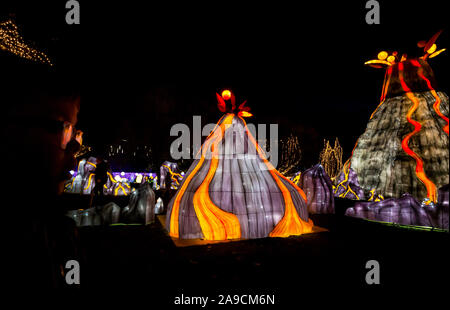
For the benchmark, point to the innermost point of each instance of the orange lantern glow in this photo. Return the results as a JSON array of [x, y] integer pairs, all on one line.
[[382, 55], [226, 94]]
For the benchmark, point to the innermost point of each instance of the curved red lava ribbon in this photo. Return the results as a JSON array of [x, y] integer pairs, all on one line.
[[431, 188], [437, 103]]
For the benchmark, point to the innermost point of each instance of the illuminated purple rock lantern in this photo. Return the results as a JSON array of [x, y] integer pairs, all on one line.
[[117, 183], [405, 210], [318, 188], [347, 185], [439, 213], [141, 208], [443, 196], [99, 215], [171, 174]]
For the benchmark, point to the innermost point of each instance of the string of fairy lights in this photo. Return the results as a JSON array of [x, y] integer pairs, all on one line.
[[331, 158], [12, 41]]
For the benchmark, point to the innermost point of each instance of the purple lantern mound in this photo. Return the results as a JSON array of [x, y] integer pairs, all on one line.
[[405, 211], [83, 182], [141, 208], [170, 175], [347, 185], [443, 196], [99, 215], [318, 188]]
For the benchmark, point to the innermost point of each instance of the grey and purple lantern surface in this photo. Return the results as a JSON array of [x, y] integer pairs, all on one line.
[[318, 188], [405, 210], [443, 194], [98, 215], [233, 183], [141, 207], [89, 175], [347, 186], [439, 212], [79, 179], [170, 174], [159, 206]]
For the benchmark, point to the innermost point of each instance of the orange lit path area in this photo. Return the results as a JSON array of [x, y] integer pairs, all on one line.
[[138, 256], [190, 242]]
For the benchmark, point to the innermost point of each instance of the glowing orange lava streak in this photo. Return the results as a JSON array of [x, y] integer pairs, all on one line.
[[291, 223], [172, 175], [206, 212], [431, 188], [437, 103], [216, 224]]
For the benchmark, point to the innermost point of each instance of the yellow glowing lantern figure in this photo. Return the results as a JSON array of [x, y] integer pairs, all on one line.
[[382, 55], [391, 59], [138, 178], [432, 49], [226, 94]]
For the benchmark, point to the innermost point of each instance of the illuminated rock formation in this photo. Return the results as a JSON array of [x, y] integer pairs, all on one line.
[[100, 215], [79, 180], [84, 182], [443, 195], [170, 174], [405, 148], [159, 206], [405, 211], [318, 188], [233, 191], [347, 186], [141, 207]]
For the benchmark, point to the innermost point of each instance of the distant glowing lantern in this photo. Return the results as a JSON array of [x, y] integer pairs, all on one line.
[[391, 59], [437, 53], [432, 49], [226, 94], [382, 55], [138, 178], [71, 172], [122, 173]]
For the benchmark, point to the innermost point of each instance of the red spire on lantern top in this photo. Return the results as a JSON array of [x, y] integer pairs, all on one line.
[[242, 110]]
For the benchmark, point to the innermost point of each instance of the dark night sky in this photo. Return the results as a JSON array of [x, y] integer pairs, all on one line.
[[142, 69]]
